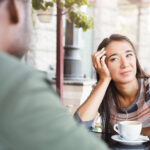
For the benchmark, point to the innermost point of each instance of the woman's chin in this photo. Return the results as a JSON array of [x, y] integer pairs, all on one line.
[[125, 80]]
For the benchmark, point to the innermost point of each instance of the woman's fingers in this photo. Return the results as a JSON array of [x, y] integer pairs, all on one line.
[[94, 61], [104, 66], [96, 57], [103, 63], [101, 52], [103, 60]]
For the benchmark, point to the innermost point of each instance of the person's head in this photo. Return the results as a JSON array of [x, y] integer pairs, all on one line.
[[121, 58], [15, 25]]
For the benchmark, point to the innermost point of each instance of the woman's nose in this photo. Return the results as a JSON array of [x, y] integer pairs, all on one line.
[[124, 62]]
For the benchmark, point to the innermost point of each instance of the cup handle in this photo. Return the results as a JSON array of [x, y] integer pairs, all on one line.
[[116, 128]]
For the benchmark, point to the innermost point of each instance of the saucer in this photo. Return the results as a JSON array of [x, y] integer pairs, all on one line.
[[138, 141]]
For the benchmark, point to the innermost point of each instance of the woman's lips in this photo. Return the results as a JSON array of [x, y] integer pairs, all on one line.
[[125, 72]]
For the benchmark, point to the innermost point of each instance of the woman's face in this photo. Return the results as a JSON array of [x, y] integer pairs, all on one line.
[[121, 61]]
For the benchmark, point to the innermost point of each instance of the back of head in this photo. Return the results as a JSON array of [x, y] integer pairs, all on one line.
[[15, 25]]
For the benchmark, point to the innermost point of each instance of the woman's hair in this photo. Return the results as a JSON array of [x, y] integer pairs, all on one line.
[[111, 91]]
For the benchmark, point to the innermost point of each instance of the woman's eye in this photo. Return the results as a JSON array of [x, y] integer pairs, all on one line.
[[114, 59], [129, 55]]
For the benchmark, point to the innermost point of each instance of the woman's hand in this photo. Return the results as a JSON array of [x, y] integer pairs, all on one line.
[[98, 59], [146, 131]]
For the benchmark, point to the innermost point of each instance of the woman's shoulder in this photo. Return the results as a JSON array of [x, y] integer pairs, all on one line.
[[147, 89], [146, 81]]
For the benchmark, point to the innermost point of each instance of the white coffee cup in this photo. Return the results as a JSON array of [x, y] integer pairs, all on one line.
[[128, 130]]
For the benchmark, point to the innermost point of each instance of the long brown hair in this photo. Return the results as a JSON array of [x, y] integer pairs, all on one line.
[[111, 91]]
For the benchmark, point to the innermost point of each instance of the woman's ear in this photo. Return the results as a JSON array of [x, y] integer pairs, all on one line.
[[13, 12]]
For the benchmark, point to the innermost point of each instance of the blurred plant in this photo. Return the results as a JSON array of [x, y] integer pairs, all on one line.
[[69, 108], [33, 20], [71, 8], [97, 127]]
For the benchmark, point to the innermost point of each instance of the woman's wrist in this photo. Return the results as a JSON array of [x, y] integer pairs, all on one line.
[[104, 83], [104, 80]]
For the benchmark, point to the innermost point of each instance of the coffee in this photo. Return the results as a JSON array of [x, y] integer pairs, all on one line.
[[128, 130], [130, 122]]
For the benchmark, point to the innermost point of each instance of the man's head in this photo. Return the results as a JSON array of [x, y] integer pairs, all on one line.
[[15, 25]]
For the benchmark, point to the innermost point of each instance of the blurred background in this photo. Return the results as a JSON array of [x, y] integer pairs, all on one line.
[[127, 17]]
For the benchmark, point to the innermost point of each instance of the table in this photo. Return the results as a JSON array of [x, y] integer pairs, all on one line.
[[118, 146]]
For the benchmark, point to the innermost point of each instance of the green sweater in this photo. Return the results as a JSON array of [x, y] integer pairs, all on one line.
[[31, 116]]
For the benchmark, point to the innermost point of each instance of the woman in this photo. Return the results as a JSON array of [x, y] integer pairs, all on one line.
[[122, 91]]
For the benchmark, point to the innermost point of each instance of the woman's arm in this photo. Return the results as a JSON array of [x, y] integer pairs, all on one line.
[[88, 110], [146, 131]]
